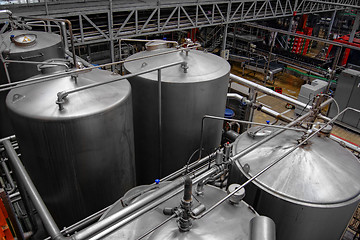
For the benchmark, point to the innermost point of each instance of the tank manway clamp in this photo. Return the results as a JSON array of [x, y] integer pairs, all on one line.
[[61, 99]]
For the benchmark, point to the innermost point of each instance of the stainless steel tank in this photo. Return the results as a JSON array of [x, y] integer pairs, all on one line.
[[186, 98], [81, 159], [311, 194], [227, 221], [23, 45]]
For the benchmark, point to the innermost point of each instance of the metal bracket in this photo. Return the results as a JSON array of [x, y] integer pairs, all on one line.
[[185, 67], [61, 99]]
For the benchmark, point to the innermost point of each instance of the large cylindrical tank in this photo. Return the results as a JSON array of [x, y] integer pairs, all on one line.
[[311, 194], [81, 159], [186, 98], [227, 221], [23, 45]]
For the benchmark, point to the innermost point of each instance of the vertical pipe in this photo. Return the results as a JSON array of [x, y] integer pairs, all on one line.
[[331, 24], [64, 34], [262, 228], [10, 210], [289, 30], [355, 27], [160, 122], [225, 37], [25, 179], [111, 33]]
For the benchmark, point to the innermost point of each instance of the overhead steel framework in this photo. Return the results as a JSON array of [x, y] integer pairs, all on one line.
[[107, 21]]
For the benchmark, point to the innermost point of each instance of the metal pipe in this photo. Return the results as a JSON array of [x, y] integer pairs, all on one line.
[[10, 138], [262, 108], [8, 176], [86, 64], [70, 30], [267, 91], [353, 147], [270, 29], [262, 228], [301, 118], [240, 121], [152, 205], [157, 226], [145, 40], [34, 80], [12, 216], [86, 233], [83, 223], [188, 167], [61, 95], [33, 62], [7, 12], [39, 204], [160, 122], [269, 165]]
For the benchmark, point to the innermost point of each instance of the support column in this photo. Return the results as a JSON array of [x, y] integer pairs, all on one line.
[[111, 35], [225, 36], [355, 27], [331, 24], [289, 30]]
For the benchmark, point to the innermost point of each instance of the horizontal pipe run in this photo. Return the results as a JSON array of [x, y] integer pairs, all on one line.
[[267, 91], [10, 138], [275, 114], [283, 128], [189, 167], [83, 223], [271, 164], [99, 226], [330, 42], [68, 22], [345, 143], [34, 80], [291, 124], [264, 109], [152, 205], [65, 93]]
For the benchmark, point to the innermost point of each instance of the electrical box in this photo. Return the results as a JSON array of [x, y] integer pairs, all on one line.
[[308, 92], [347, 94]]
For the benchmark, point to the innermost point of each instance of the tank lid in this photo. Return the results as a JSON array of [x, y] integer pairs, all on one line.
[[321, 172], [21, 41], [26, 39], [203, 66], [37, 101]]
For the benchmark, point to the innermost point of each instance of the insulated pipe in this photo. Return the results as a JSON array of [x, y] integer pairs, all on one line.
[[267, 91], [262, 228]]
